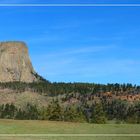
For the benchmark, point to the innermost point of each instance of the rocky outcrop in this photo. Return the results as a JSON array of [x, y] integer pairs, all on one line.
[[15, 64]]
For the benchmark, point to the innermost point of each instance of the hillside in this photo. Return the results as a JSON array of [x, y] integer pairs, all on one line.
[[71, 101]]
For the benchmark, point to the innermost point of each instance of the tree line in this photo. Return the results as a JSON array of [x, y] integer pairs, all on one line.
[[117, 111], [66, 88], [78, 102]]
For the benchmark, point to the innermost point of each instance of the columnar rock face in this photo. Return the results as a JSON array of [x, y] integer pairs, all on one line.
[[15, 64]]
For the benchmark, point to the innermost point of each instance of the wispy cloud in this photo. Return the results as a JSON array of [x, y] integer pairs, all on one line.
[[68, 61], [80, 50], [89, 69]]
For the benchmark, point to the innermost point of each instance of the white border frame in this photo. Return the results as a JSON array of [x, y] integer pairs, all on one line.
[[69, 5]]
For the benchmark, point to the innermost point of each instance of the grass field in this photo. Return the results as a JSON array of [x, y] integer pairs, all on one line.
[[47, 127]]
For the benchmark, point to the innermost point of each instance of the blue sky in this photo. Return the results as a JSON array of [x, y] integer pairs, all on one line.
[[69, 1], [78, 44]]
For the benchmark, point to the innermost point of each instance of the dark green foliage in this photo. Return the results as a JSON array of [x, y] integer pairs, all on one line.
[[133, 114], [54, 111], [7, 111], [98, 115], [74, 115], [117, 109], [54, 89], [30, 113], [77, 102]]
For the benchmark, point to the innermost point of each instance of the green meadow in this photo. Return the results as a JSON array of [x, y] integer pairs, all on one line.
[[48, 127]]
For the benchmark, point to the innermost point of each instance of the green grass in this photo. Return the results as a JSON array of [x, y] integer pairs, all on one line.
[[47, 127]]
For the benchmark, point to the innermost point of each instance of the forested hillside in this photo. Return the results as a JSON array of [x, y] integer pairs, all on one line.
[[78, 102]]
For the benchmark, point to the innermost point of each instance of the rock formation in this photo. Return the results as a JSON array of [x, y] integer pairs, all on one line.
[[15, 64]]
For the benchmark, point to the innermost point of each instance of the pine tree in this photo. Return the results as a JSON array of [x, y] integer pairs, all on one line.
[[74, 114], [55, 111], [98, 115]]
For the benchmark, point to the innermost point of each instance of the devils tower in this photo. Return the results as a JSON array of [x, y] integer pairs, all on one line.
[[15, 64]]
